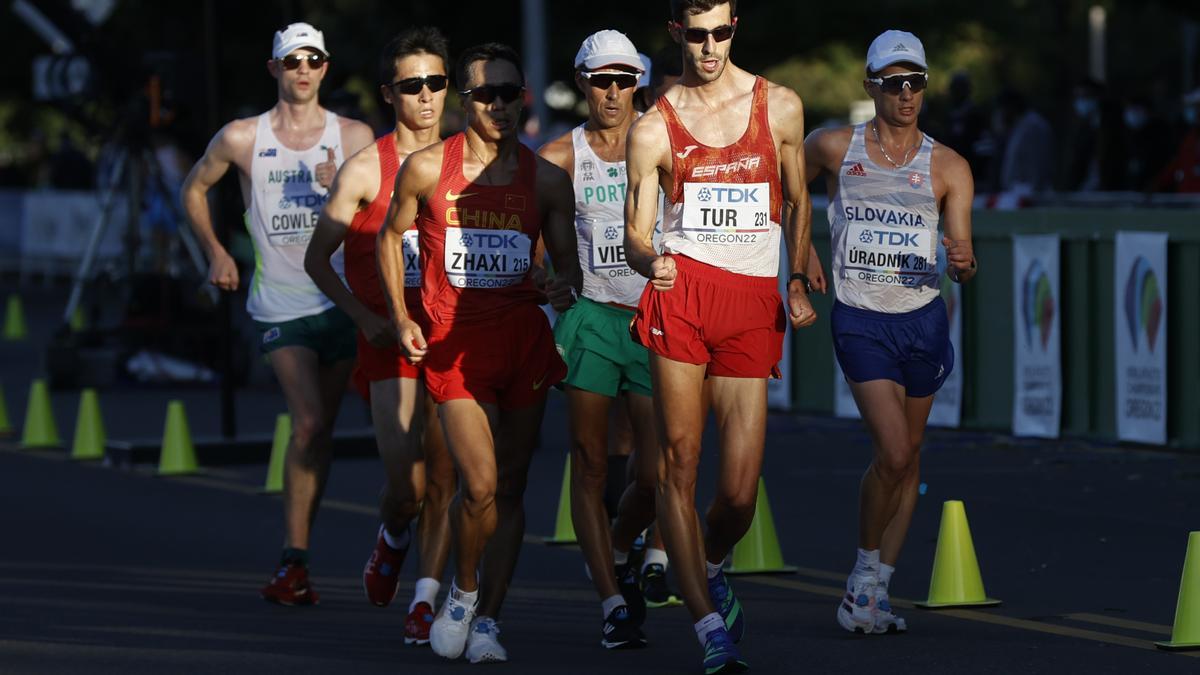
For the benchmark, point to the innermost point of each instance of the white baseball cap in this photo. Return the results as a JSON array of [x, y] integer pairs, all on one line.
[[295, 36], [895, 46], [608, 48]]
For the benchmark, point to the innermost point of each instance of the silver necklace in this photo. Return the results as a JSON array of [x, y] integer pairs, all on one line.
[[888, 157], [483, 166]]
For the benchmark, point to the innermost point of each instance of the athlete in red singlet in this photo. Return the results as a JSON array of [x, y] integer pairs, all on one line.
[[711, 315], [481, 201], [413, 80]]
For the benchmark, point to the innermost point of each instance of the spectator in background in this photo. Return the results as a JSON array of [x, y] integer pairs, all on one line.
[[1094, 147], [1027, 161], [966, 127], [1147, 143], [1183, 173]]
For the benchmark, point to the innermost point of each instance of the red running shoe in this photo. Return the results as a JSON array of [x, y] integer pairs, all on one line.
[[290, 586], [381, 576], [416, 626]]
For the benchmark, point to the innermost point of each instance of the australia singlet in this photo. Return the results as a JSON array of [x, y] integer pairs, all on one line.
[[725, 203], [285, 200], [477, 242], [362, 272], [600, 227], [884, 225]]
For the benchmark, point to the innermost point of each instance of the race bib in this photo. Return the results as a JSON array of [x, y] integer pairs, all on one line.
[[412, 259], [293, 220], [608, 245], [479, 258], [726, 213], [889, 256]]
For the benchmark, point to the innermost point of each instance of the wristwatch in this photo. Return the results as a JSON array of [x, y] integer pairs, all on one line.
[[803, 278]]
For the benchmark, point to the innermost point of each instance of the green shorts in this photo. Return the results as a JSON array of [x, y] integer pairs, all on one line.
[[593, 338], [331, 334]]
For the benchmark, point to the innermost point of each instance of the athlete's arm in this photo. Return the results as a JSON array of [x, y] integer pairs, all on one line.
[[647, 151], [556, 197], [561, 153], [415, 181], [956, 214], [797, 229], [355, 137], [355, 184], [234, 140]]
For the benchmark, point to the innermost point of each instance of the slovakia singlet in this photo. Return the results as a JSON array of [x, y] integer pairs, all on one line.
[[725, 204], [362, 272], [477, 242], [884, 227], [285, 200]]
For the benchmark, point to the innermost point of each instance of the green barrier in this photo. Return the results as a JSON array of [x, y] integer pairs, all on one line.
[[1088, 368]]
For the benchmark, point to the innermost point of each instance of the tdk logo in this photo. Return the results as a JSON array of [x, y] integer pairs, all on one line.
[[889, 238], [729, 195], [491, 240]]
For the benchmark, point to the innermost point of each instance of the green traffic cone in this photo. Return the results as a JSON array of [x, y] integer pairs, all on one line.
[[178, 456], [89, 428], [40, 431], [956, 581], [283, 434], [1185, 634], [564, 526], [758, 551]]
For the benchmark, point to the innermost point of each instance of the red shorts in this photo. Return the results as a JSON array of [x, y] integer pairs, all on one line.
[[512, 362], [733, 322], [391, 362]]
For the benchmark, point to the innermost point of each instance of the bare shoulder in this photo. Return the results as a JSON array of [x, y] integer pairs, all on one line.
[[828, 143], [560, 151], [351, 125], [783, 101], [355, 134], [361, 170], [552, 175], [949, 163], [237, 137], [425, 165], [650, 129]]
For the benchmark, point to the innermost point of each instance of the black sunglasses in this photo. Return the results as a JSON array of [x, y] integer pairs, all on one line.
[[486, 93], [700, 35], [894, 84], [414, 85], [605, 80], [293, 61]]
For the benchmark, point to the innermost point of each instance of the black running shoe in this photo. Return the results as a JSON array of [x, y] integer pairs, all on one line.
[[629, 583], [655, 588], [620, 632]]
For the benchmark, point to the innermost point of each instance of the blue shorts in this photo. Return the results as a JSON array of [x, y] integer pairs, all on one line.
[[912, 349]]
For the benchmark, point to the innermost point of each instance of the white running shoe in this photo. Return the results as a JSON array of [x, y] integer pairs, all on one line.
[[885, 620], [482, 645], [856, 612], [448, 635]]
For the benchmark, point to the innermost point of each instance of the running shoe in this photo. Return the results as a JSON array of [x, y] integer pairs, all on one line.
[[721, 655], [448, 634], [655, 588], [631, 589], [885, 620], [482, 645], [857, 610], [290, 586], [381, 576], [416, 625], [619, 631], [721, 594]]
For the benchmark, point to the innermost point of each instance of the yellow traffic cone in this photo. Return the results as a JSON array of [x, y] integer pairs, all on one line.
[[1186, 632], [758, 551], [564, 526], [283, 434], [6, 429], [178, 456], [89, 428], [956, 580], [40, 430], [14, 320]]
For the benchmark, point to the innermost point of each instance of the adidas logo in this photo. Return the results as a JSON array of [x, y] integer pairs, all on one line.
[[899, 48], [856, 170]]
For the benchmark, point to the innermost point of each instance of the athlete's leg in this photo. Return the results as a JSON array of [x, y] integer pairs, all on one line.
[[740, 408], [636, 511], [393, 404], [916, 412], [589, 416], [468, 426], [433, 528], [516, 437], [679, 414], [882, 404]]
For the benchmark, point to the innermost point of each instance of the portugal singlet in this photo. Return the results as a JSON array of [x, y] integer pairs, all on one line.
[[725, 203], [884, 226], [362, 272], [477, 242], [285, 200]]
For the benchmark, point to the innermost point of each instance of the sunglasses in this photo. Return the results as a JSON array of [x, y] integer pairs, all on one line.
[[486, 93], [293, 61], [603, 79], [700, 35], [414, 85], [894, 84]]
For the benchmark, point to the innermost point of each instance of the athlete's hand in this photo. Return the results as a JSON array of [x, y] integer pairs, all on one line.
[[325, 171], [663, 273], [800, 310], [560, 294], [960, 256], [379, 331], [816, 275], [412, 340], [223, 272]]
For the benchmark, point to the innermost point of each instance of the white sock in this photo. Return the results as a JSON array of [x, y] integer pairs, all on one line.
[[467, 598], [655, 556], [610, 603], [713, 568], [620, 557], [867, 564], [427, 590], [707, 625], [885, 574], [397, 543]]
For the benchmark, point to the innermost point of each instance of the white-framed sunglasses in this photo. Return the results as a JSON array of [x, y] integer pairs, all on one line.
[[894, 84]]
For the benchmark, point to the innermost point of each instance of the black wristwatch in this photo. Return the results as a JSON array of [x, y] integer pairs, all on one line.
[[803, 278]]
